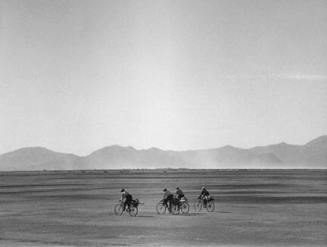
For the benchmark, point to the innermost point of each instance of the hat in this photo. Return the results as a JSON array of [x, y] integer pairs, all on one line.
[[164, 189], [122, 190]]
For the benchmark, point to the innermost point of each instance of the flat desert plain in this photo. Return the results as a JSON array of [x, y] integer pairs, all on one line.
[[75, 208]]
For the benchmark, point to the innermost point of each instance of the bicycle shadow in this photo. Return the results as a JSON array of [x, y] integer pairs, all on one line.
[[145, 216], [189, 214]]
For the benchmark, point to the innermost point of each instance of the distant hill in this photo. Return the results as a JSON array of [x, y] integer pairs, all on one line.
[[311, 155], [38, 158]]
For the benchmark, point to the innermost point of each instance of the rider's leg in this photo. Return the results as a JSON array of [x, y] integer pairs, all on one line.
[[205, 201], [165, 202], [170, 201], [129, 202]]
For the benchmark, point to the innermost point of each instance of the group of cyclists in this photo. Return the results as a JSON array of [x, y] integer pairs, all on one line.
[[168, 197]]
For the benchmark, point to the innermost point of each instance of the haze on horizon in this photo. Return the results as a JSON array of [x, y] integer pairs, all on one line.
[[76, 76]]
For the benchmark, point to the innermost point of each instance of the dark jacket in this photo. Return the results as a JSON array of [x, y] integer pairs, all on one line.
[[167, 194], [126, 196], [204, 192], [179, 193]]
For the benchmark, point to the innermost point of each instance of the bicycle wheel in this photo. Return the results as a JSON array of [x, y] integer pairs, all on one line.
[[175, 209], [118, 209], [133, 212], [210, 206], [185, 208], [198, 206], [161, 208]]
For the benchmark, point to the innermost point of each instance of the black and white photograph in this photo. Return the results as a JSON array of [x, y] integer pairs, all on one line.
[[163, 123]]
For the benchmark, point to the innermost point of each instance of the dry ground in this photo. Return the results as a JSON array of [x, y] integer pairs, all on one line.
[[253, 208]]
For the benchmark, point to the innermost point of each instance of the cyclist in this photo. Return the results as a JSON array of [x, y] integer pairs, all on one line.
[[168, 198], [204, 195], [126, 199], [179, 193]]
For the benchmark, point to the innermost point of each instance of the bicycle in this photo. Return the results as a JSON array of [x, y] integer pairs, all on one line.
[[183, 205], [161, 207], [177, 206], [132, 211], [205, 202]]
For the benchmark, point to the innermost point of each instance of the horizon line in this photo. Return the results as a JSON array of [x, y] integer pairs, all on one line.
[[165, 150]]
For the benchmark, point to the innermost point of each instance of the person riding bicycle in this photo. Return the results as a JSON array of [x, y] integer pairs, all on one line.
[[204, 195], [126, 199], [179, 193], [168, 198]]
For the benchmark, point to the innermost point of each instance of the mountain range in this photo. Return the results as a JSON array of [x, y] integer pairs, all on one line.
[[312, 155]]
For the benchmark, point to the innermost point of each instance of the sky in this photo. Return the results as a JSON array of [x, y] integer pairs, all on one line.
[[78, 75]]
